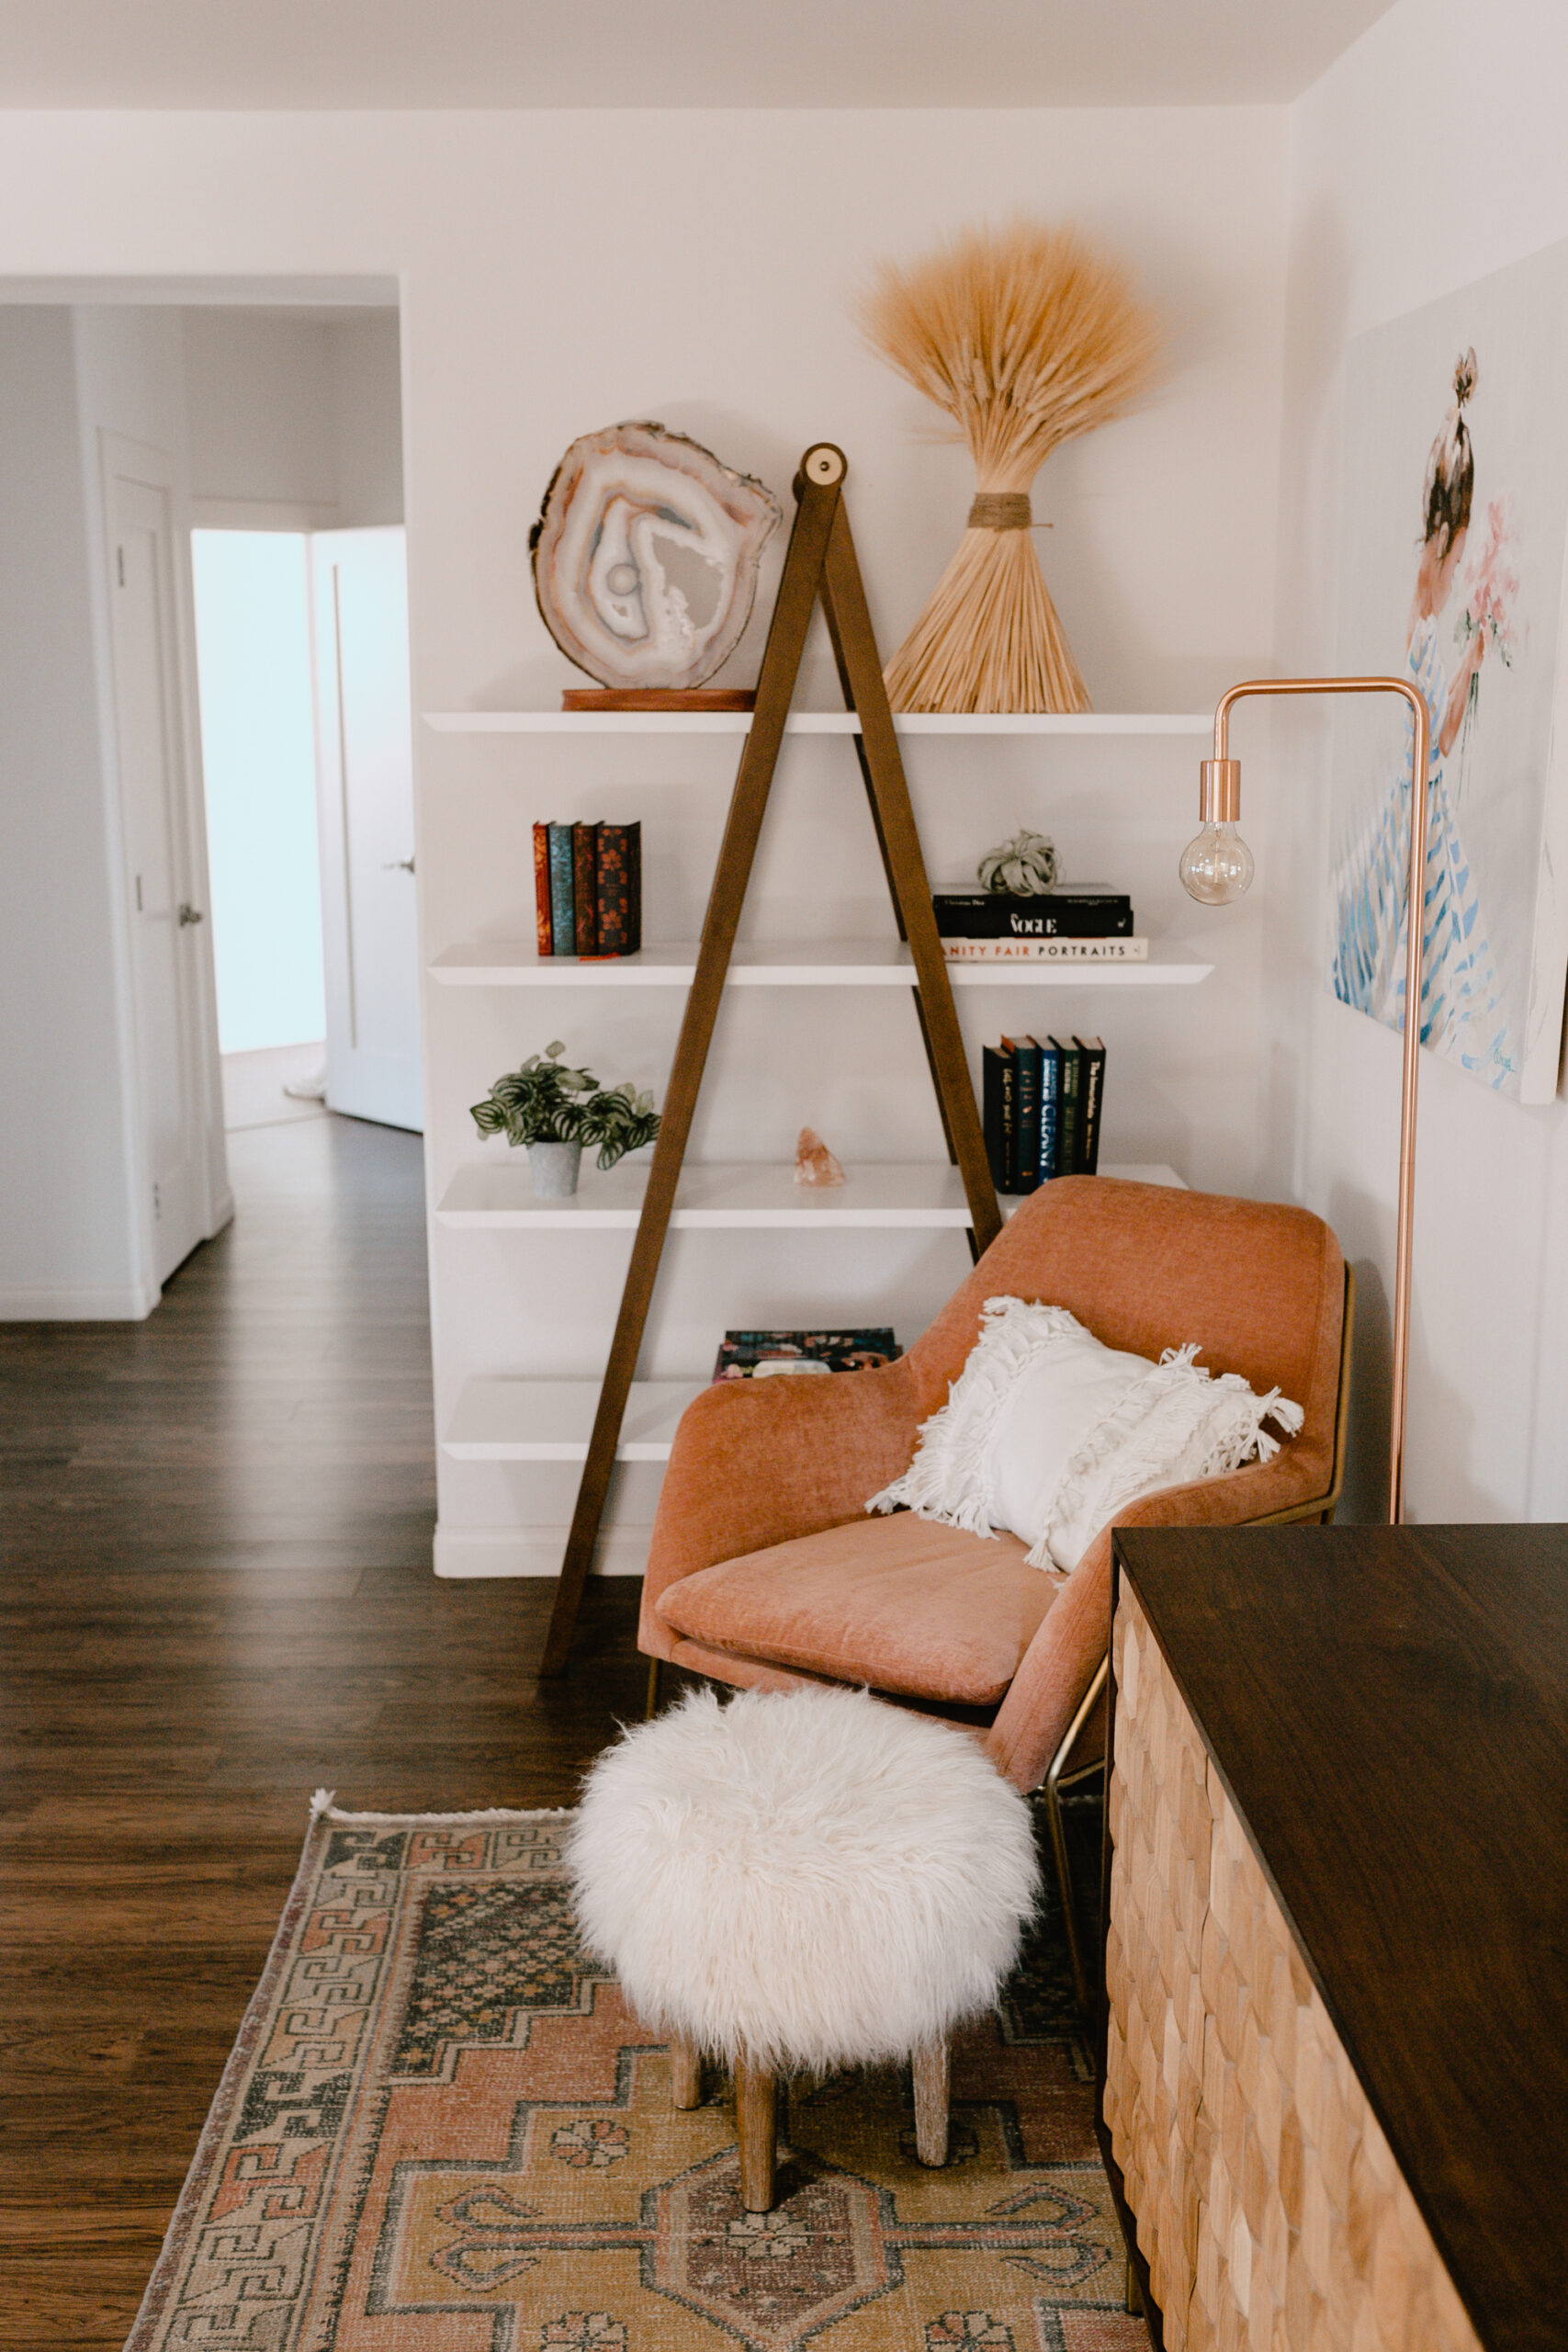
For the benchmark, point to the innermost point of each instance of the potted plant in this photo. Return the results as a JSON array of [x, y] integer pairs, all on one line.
[[555, 1109]]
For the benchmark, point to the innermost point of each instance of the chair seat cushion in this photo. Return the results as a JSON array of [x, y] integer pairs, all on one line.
[[906, 1604]]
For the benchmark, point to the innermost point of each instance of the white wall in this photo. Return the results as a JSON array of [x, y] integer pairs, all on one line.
[[69, 1237], [296, 415], [1430, 156], [538, 300], [367, 418]]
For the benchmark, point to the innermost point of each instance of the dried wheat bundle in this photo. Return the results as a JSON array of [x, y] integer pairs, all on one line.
[[1025, 337]]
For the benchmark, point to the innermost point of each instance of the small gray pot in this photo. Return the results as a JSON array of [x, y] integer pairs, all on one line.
[[553, 1167]]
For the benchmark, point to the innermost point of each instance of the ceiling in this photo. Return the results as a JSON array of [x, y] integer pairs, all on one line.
[[423, 53]]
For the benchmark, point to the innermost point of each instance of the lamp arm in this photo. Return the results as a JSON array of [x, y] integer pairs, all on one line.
[[1221, 777]]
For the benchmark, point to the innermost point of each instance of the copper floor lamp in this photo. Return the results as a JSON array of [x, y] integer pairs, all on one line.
[[1216, 868]]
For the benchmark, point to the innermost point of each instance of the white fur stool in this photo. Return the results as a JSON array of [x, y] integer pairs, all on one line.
[[803, 1879]]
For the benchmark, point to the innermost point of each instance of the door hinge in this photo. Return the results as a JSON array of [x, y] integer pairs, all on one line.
[[139, 894], [120, 565], [157, 1202]]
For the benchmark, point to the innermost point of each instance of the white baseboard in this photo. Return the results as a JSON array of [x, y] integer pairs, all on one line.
[[534, 1551], [44, 1303]]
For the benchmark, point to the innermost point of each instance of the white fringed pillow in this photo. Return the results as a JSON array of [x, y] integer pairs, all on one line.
[[1047, 1434]]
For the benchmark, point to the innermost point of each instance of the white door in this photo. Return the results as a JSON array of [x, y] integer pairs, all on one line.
[[365, 766], [166, 907]]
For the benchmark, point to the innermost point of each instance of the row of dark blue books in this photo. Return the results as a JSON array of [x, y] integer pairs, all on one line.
[[1041, 1105], [588, 889]]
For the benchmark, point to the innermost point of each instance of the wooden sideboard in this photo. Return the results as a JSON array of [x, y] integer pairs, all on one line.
[[1333, 2050]]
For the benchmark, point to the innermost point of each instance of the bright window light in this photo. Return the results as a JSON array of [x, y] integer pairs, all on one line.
[[253, 635]]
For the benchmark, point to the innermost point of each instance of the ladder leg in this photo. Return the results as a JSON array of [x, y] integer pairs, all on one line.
[[845, 681], [854, 645], [775, 687]]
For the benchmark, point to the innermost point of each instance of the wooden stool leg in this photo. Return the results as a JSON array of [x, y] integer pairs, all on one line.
[[685, 2075], [756, 2106], [931, 2073]]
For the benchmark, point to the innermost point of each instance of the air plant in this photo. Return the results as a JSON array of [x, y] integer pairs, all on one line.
[[546, 1100], [1026, 337], [1024, 867]]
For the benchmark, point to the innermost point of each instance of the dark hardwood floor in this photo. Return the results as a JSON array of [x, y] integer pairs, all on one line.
[[215, 1543]]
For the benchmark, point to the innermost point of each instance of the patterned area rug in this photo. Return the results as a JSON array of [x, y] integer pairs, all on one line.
[[442, 2130]]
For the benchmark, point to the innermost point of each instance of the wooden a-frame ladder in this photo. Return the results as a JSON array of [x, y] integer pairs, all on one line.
[[820, 562]]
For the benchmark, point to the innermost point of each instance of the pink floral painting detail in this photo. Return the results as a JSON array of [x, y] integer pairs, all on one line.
[[1489, 600]]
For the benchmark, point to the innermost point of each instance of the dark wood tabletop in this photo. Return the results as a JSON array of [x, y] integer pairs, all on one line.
[[1387, 1710]]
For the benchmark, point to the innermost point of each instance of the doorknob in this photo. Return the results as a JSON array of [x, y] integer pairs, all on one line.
[[397, 865], [188, 913]]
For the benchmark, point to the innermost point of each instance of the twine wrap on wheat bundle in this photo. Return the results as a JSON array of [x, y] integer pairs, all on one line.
[[1025, 337]]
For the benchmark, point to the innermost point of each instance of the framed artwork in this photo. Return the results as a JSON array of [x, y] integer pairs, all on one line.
[[1455, 532]]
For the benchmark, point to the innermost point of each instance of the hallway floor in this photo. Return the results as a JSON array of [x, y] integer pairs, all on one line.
[[217, 1595]]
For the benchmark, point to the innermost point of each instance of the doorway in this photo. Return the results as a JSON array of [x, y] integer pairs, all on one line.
[[132, 423], [252, 598], [302, 663]]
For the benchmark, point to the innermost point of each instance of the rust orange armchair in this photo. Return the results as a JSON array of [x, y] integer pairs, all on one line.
[[764, 1567]]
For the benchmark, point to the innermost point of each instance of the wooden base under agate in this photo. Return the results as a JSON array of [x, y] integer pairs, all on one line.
[[659, 698]]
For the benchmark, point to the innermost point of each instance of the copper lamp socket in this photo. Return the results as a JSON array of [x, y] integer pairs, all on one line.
[[1219, 792]]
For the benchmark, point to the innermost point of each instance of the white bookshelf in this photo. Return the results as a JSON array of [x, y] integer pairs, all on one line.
[[496, 1197], [818, 722], [807, 963], [524, 1418]]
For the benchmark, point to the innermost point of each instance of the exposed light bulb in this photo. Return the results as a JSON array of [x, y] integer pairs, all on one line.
[[1216, 865]]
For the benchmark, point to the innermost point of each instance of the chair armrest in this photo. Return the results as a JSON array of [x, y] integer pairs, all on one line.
[[762, 1462], [1059, 1663]]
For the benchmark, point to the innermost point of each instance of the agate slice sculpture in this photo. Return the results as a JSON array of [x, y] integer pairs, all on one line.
[[646, 555]]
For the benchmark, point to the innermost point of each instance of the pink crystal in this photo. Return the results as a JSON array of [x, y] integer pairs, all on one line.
[[814, 1163]]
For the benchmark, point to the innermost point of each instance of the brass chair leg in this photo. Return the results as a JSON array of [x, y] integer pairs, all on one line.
[[932, 2076], [650, 1705], [756, 2115], [1054, 1783], [1134, 2298]]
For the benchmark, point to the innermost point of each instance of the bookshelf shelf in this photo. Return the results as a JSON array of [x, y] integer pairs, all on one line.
[[496, 1197], [809, 963], [818, 722], [498, 1420]]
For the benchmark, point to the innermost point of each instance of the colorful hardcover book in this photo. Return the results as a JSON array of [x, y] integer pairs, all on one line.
[[619, 885], [1089, 913], [542, 887], [762, 1355], [585, 887], [1026, 1064], [1046, 951], [1069, 1128], [1050, 1107], [563, 926], [1093, 1087]]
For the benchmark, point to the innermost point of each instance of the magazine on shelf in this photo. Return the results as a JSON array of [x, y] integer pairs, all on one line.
[[1046, 951], [760, 1355], [1091, 912]]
